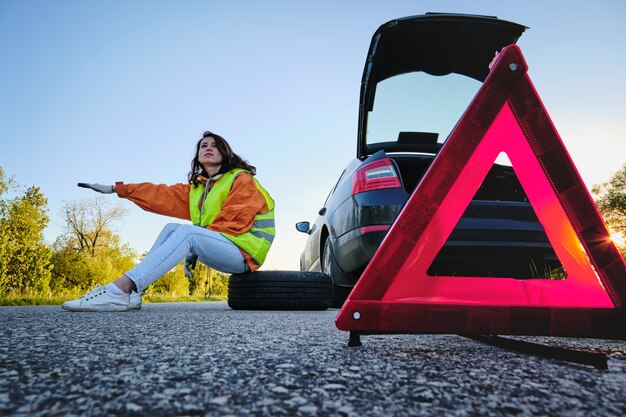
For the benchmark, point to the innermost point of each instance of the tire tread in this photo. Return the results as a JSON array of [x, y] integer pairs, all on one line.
[[279, 290]]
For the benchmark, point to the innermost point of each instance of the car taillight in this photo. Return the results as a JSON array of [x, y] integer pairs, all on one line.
[[374, 176]]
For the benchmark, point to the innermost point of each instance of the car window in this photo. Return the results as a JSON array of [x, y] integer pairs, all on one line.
[[335, 186], [419, 104]]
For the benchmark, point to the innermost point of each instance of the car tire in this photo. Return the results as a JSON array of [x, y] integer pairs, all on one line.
[[339, 294], [279, 290]]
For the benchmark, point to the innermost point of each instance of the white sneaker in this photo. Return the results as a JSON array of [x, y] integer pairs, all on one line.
[[99, 299], [135, 301]]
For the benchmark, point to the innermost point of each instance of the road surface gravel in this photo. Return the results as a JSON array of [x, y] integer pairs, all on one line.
[[204, 359]]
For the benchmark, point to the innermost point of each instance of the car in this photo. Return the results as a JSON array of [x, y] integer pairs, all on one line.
[[420, 75]]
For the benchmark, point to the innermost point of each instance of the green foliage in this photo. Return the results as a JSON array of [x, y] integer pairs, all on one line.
[[24, 256], [30, 297], [173, 283], [611, 200], [89, 253], [205, 284], [166, 298], [208, 283], [88, 221]]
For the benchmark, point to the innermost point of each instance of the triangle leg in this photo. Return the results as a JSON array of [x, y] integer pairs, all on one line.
[[355, 339]]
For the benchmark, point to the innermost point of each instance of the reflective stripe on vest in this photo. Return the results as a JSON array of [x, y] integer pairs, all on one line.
[[257, 241]]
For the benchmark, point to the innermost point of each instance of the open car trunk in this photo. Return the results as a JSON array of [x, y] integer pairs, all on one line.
[[419, 76], [498, 235]]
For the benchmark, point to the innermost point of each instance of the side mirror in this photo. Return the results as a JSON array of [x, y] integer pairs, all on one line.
[[303, 227]]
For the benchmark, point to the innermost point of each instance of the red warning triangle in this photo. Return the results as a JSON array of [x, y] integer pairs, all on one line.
[[396, 294]]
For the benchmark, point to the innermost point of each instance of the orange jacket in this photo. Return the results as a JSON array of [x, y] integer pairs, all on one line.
[[244, 202]]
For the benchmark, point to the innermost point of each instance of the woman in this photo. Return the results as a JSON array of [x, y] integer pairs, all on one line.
[[232, 231]]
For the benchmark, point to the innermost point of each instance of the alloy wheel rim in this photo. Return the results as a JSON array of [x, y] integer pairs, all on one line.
[[326, 258]]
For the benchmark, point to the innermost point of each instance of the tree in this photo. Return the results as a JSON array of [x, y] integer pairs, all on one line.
[[24, 257], [611, 200], [89, 252], [208, 282], [86, 220], [173, 283]]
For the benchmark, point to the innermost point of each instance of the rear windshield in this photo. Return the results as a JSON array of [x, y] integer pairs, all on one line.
[[418, 108]]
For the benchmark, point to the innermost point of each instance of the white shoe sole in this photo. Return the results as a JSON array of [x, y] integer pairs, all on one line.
[[102, 309]]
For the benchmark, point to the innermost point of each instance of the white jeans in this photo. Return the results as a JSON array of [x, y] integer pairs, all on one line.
[[174, 243]]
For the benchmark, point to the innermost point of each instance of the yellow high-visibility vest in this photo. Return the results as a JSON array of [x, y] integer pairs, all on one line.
[[257, 241]]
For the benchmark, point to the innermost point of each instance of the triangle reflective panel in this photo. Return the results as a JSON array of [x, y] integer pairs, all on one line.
[[396, 294]]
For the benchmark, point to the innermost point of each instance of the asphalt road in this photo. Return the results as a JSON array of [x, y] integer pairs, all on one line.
[[206, 359]]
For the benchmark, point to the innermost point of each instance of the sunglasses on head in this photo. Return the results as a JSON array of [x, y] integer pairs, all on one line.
[[207, 133]]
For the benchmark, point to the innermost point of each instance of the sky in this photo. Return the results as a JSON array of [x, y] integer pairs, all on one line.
[[105, 91]]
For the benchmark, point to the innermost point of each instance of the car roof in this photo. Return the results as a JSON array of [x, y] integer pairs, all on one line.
[[436, 43]]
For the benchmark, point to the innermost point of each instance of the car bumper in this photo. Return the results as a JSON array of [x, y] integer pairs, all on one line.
[[356, 248]]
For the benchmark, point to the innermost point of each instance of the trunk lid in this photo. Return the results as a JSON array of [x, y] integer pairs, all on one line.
[[420, 75]]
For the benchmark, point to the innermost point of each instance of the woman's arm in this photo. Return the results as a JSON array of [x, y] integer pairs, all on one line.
[[243, 202], [168, 200]]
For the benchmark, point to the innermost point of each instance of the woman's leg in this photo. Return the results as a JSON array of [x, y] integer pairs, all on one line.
[[172, 245], [124, 283], [166, 232], [212, 248]]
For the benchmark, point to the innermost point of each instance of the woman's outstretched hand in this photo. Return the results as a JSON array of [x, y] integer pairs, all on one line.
[[104, 189]]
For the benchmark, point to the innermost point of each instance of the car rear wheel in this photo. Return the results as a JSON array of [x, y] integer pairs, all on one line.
[[339, 294], [279, 290]]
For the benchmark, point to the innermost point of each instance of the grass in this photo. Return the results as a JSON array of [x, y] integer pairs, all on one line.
[[548, 272], [32, 299], [166, 298]]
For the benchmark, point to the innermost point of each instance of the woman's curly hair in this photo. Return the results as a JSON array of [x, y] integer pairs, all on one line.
[[230, 160]]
